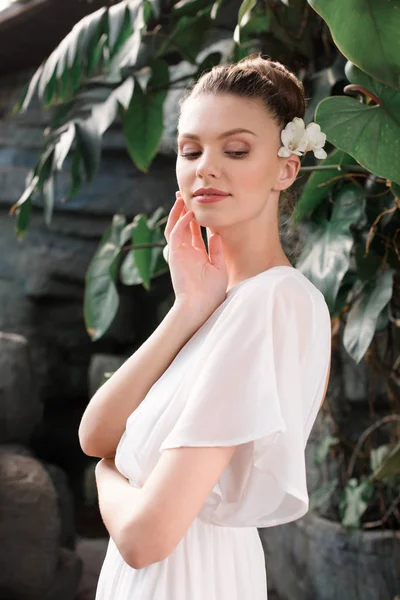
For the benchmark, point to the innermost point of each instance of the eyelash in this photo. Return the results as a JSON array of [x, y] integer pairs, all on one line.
[[235, 154]]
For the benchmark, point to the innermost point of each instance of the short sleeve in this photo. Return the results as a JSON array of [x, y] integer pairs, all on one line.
[[247, 390]]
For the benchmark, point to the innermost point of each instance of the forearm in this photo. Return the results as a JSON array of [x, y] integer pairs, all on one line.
[[117, 503], [104, 419]]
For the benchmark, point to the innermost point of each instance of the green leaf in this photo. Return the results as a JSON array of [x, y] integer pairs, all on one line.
[[101, 297], [369, 133], [378, 455], [143, 119], [62, 147], [129, 273], [371, 299], [80, 52], [76, 173], [158, 264], [325, 257], [390, 465], [367, 264], [23, 207], [367, 33], [155, 7], [119, 26], [319, 183], [188, 8], [355, 502], [188, 36], [243, 18], [104, 114], [30, 91], [343, 294], [142, 234], [210, 61], [89, 143]]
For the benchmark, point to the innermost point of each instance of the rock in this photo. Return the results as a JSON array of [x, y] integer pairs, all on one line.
[[20, 408], [65, 502], [316, 558], [92, 553], [67, 577], [30, 527]]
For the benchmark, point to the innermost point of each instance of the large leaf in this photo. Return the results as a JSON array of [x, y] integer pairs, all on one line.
[[188, 36], [325, 257], [101, 297], [370, 299], [369, 133], [142, 264], [367, 33], [143, 119], [93, 42], [319, 183]]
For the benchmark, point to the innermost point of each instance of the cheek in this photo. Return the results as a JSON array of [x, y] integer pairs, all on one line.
[[253, 176], [183, 174]]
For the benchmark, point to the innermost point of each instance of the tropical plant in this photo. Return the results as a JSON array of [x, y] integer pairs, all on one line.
[[117, 64]]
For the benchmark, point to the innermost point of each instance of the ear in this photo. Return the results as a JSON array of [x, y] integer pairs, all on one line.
[[288, 171]]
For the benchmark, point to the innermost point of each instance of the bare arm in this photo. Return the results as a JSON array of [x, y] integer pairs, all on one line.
[[104, 419], [118, 500]]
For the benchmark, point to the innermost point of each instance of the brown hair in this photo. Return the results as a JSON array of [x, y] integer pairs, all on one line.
[[281, 92]]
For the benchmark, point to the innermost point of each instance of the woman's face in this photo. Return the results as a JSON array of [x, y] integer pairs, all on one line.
[[244, 164]]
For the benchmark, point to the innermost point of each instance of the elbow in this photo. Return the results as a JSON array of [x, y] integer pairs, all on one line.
[[85, 446], [92, 449], [140, 551]]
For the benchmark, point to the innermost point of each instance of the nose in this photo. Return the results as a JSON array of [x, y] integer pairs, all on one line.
[[207, 165]]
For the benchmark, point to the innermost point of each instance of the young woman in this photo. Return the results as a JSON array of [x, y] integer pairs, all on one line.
[[203, 429]]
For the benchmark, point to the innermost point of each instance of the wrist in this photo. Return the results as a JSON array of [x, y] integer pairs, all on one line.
[[193, 313]]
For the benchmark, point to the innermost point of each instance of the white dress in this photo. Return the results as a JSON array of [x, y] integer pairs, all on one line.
[[253, 375]]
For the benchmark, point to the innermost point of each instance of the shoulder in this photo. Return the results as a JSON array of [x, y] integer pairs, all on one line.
[[279, 285]]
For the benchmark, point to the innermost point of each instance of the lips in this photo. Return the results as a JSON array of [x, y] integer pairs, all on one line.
[[205, 198], [210, 192]]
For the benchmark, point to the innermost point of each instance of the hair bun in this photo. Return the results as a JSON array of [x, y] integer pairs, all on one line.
[[253, 76]]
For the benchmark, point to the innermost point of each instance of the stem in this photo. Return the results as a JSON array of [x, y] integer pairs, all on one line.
[[359, 88], [139, 246], [353, 168]]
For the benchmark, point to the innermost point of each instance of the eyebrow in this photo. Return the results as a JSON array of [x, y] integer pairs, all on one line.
[[225, 134]]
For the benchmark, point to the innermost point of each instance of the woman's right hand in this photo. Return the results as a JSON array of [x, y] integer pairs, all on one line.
[[199, 279]]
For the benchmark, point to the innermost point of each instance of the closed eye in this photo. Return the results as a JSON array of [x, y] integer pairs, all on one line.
[[192, 155]]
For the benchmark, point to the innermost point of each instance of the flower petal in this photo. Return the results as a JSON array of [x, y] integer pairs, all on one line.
[[320, 153], [284, 152], [299, 122]]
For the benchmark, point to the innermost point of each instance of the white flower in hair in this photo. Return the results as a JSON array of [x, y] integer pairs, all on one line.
[[316, 140], [298, 139]]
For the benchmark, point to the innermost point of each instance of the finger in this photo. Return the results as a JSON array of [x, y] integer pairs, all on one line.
[[173, 217], [188, 235], [197, 238], [178, 235], [216, 252]]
